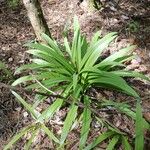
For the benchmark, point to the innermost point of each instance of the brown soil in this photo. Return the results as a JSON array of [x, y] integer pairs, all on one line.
[[129, 18]]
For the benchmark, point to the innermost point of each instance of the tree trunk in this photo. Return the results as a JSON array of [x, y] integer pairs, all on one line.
[[36, 18]]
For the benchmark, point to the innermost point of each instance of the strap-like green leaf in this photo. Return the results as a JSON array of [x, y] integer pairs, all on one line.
[[50, 59], [18, 136], [48, 113], [84, 46], [67, 47], [107, 65], [56, 55], [76, 23], [96, 53], [39, 46], [125, 143], [49, 133], [113, 142], [124, 73], [45, 56], [22, 79], [76, 48], [30, 67], [26, 105], [99, 139], [40, 76], [75, 81], [79, 49], [95, 38], [71, 116], [122, 107], [65, 63], [40, 62], [139, 129], [95, 50], [52, 81], [29, 142], [86, 121], [116, 82], [121, 53], [109, 79], [52, 43]]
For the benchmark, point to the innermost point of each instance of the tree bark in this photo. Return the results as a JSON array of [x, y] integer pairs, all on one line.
[[36, 18]]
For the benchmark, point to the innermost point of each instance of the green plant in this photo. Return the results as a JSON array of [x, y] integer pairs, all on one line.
[[133, 26], [13, 3], [97, 4], [71, 71], [93, 4], [5, 73]]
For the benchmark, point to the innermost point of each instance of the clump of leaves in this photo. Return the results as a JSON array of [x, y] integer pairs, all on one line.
[[71, 71], [5, 72], [13, 3], [133, 26]]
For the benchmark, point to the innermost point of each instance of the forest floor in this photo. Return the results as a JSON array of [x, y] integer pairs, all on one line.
[[129, 18]]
